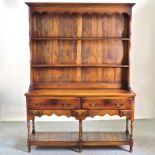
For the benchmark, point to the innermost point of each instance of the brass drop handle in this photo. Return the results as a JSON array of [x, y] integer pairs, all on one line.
[[91, 104], [98, 105], [125, 113], [63, 105], [52, 102], [39, 105], [66, 105], [118, 105]]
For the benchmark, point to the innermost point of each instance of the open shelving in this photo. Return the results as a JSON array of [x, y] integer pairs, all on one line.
[[80, 38], [80, 67]]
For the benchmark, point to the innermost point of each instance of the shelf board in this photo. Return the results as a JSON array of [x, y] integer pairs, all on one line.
[[81, 65], [72, 138], [80, 38]]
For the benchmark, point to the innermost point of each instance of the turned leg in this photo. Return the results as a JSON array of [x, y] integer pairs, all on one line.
[[80, 135], [127, 125], [131, 136], [28, 136], [33, 125]]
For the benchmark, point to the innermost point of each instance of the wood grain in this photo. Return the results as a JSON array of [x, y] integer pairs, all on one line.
[[80, 52], [81, 92], [80, 67], [71, 138]]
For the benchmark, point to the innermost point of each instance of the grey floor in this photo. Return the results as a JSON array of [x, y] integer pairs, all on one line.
[[13, 138]]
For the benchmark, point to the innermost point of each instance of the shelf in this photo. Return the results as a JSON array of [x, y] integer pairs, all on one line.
[[72, 138], [79, 38], [84, 65]]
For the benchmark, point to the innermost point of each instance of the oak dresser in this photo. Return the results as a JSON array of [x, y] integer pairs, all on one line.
[[80, 67]]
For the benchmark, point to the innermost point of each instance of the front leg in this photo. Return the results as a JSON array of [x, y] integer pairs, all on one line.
[[28, 135], [33, 125], [80, 135], [131, 136], [127, 125]]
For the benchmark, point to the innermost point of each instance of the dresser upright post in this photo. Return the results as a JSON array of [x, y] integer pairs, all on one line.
[[28, 134], [33, 125], [127, 125], [80, 135]]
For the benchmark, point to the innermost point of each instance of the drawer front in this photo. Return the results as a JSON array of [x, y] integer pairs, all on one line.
[[106, 103], [47, 104]]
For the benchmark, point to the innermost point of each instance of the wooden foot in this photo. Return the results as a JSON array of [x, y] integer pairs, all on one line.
[[29, 148], [80, 148], [131, 148], [127, 132], [33, 131]]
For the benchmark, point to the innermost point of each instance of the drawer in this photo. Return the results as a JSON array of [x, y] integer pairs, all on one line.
[[95, 103], [59, 103]]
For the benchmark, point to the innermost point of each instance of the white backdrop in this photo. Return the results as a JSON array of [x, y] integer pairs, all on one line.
[[14, 59]]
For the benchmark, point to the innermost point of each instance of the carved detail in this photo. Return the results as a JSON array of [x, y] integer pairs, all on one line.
[[70, 13], [80, 114], [40, 113], [93, 113], [126, 113], [36, 113], [118, 105], [121, 113]]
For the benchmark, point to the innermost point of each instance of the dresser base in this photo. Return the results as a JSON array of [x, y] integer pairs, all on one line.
[[70, 139]]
